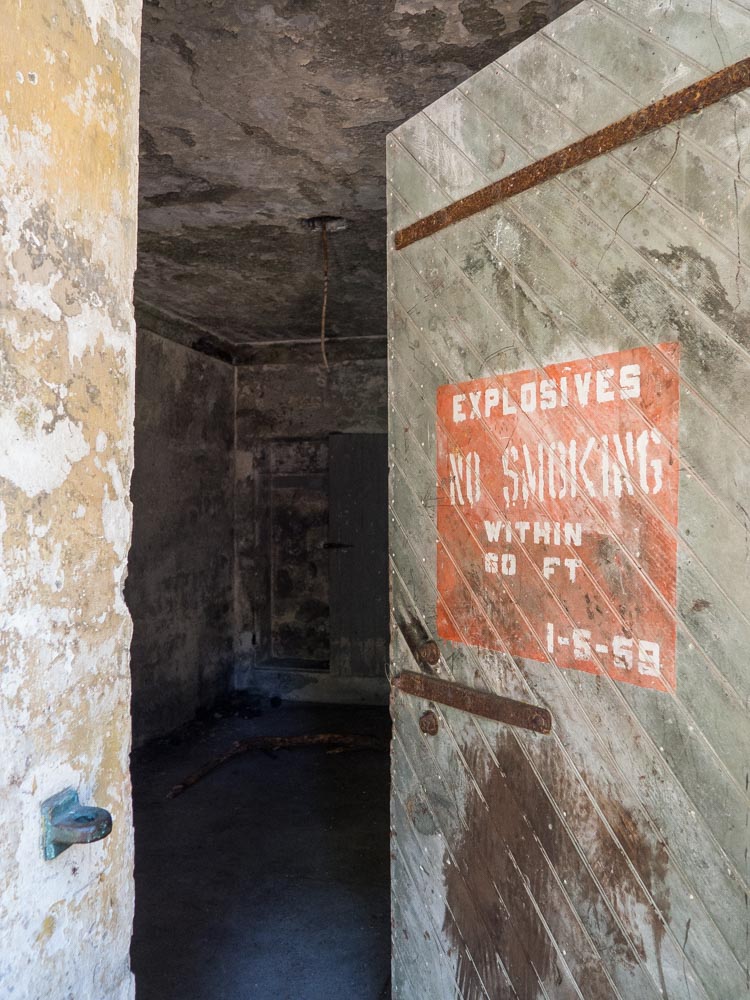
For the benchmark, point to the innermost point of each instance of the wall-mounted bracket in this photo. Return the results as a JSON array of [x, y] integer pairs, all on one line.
[[66, 822]]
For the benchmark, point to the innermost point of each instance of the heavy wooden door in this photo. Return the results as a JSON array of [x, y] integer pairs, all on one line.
[[570, 462]]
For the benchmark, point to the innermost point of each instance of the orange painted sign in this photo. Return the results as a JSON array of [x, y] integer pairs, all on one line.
[[557, 514]]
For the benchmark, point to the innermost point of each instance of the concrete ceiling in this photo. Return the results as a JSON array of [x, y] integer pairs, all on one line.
[[255, 116]]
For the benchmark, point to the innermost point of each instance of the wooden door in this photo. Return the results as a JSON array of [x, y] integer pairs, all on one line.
[[569, 468]]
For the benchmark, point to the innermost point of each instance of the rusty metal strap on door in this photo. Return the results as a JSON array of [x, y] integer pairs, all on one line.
[[663, 112], [482, 703]]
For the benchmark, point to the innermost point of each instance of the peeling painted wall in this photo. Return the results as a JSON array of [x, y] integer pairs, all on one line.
[[285, 414], [69, 76], [179, 587]]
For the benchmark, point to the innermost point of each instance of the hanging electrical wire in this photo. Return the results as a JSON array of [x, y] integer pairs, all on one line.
[[326, 224]]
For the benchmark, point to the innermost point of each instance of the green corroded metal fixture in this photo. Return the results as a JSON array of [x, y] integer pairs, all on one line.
[[66, 822]]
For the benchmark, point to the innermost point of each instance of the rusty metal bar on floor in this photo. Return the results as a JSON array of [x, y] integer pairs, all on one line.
[[482, 703], [665, 111]]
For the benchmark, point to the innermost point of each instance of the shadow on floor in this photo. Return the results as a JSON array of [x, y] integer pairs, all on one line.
[[267, 880]]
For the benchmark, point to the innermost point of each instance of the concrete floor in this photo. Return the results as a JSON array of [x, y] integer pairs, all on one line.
[[268, 880]]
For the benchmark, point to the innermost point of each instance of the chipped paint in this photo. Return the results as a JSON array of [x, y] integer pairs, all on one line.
[[68, 140], [36, 455]]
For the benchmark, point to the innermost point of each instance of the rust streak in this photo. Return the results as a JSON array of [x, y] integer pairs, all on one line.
[[482, 703], [665, 111]]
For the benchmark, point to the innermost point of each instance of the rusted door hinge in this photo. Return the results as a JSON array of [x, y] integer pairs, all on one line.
[[482, 703], [702, 94]]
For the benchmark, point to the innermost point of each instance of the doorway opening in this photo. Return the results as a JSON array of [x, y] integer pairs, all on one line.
[[258, 579], [258, 589]]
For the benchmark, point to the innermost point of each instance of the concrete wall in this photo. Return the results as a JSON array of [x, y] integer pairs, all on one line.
[[285, 414], [68, 177], [179, 587], [229, 565]]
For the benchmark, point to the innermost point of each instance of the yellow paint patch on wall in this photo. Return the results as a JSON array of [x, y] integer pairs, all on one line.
[[65, 99], [48, 927]]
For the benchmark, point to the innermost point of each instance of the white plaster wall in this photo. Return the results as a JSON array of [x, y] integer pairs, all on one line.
[[69, 76]]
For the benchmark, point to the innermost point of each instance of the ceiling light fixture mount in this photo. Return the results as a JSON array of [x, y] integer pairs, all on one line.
[[331, 223]]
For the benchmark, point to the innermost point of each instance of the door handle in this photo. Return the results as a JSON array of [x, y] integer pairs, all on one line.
[[66, 822]]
